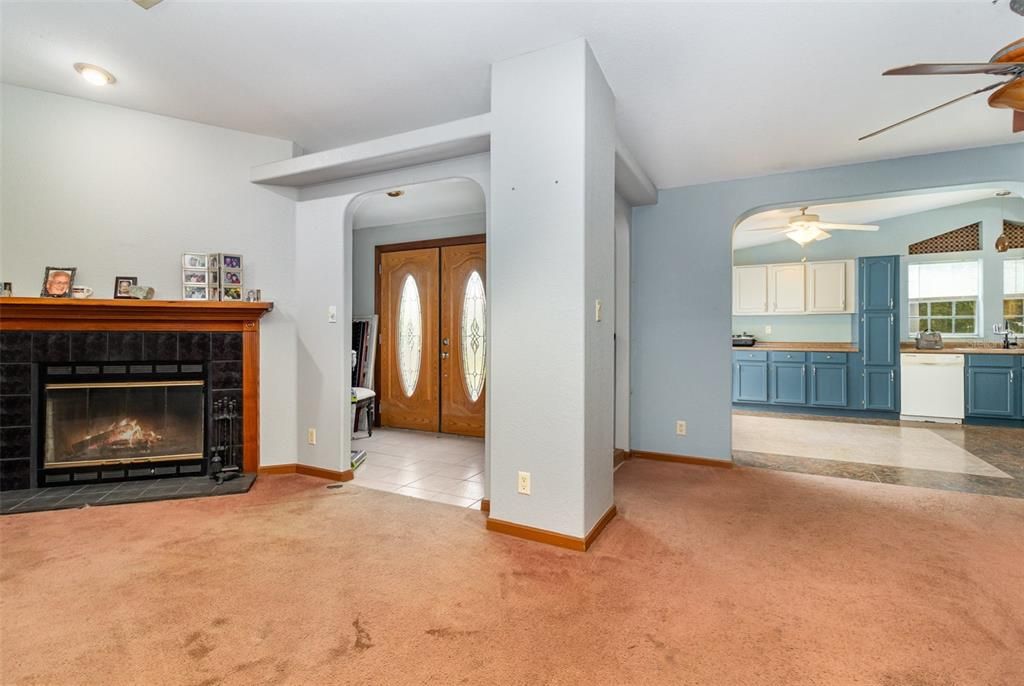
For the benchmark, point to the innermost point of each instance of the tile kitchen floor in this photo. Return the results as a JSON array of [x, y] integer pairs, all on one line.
[[440, 467], [986, 460]]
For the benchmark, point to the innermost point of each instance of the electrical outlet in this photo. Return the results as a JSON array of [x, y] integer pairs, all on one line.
[[332, 315], [311, 436], [680, 428], [768, 330], [524, 483], [597, 310]]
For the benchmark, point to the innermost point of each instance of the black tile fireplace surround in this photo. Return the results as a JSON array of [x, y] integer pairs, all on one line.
[[24, 353]]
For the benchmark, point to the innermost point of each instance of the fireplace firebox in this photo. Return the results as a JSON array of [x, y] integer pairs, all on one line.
[[113, 422]]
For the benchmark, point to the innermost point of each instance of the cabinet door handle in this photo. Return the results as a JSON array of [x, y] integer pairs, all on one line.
[[892, 375], [891, 303], [814, 372], [891, 321], [1011, 376]]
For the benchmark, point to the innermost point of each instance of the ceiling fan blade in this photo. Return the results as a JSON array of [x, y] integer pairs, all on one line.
[[828, 226], [1018, 121], [147, 4], [771, 228], [965, 68], [938, 107]]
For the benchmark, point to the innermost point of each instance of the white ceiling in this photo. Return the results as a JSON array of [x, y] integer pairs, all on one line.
[[705, 91], [869, 211], [448, 198]]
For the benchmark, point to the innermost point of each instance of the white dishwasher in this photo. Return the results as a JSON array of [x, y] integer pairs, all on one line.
[[932, 387]]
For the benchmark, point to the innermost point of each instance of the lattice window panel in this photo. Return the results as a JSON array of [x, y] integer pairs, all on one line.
[[964, 239], [1014, 234]]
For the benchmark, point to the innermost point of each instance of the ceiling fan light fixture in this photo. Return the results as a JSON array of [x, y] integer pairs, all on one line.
[[807, 234], [395, 194]]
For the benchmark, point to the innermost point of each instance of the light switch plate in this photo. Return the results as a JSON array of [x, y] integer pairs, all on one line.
[[680, 428], [311, 436], [332, 315]]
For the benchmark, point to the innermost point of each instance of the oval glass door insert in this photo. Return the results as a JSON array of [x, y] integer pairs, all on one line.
[[473, 336], [410, 336]]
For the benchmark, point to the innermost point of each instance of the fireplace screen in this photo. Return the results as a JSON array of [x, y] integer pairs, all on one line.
[[123, 422]]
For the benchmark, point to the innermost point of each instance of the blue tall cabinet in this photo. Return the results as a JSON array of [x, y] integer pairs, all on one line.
[[879, 332]]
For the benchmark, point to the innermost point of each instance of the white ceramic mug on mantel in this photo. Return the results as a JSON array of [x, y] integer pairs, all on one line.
[[81, 292]]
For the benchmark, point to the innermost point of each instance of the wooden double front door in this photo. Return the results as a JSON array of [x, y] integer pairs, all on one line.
[[433, 339]]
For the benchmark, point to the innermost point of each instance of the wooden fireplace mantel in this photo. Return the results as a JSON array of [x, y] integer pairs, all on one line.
[[67, 314], [194, 316]]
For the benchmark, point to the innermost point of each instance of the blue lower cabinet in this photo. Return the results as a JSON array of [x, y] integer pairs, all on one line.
[[828, 385], [788, 383], [750, 381], [880, 388], [992, 392]]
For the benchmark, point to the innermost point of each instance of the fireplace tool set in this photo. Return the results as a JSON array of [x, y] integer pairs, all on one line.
[[224, 451]]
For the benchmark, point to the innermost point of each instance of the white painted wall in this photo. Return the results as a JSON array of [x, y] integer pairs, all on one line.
[[599, 277], [365, 240], [115, 191], [551, 231], [622, 277]]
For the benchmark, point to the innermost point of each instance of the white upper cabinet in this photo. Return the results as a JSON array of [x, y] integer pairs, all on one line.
[[798, 288], [826, 287], [750, 290], [786, 288]]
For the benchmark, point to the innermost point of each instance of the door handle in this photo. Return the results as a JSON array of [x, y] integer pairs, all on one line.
[[444, 341]]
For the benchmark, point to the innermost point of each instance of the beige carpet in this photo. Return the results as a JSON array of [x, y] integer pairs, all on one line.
[[708, 576]]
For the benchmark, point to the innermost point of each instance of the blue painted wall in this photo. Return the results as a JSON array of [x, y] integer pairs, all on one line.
[[893, 238], [681, 300]]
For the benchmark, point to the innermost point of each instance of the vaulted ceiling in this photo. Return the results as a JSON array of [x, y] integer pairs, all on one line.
[[705, 91]]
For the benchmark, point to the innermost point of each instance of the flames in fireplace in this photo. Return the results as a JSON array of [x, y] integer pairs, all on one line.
[[125, 435]]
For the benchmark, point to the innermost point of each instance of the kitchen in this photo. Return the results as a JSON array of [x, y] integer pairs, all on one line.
[[875, 338]]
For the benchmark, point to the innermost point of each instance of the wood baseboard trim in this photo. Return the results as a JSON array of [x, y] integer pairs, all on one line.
[[599, 527], [684, 459], [307, 470], [620, 457], [551, 537], [485, 505]]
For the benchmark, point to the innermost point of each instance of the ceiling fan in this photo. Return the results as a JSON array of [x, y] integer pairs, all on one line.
[[1008, 62], [806, 228], [147, 4]]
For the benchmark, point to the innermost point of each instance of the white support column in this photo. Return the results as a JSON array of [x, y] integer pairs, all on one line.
[[552, 258]]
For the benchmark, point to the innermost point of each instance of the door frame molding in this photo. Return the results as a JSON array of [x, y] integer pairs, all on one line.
[[378, 250]]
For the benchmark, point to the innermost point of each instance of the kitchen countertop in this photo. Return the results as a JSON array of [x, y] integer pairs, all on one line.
[[965, 349], [804, 346]]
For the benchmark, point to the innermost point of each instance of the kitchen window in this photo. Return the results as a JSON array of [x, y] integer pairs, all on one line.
[[944, 297], [1013, 295]]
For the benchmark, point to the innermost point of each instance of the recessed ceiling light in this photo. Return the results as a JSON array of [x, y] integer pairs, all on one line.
[[97, 76], [396, 194], [1002, 194]]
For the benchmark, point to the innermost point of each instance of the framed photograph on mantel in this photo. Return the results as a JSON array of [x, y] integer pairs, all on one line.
[[57, 282], [122, 284]]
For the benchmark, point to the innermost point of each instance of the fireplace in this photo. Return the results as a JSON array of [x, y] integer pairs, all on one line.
[[112, 422], [131, 421]]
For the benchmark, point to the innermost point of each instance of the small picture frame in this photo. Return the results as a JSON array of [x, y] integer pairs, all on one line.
[[58, 281], [232, 293], [195, 292], [231, 261], [195, 260], [215, 277], [195, 276], [121, 286], [214, 293], [215, 261], [232, 278]]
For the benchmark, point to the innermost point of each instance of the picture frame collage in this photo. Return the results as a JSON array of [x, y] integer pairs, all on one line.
[[211, 276]]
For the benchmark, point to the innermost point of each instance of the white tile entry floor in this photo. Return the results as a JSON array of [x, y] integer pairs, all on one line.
[[893, 446], [439, 467]]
